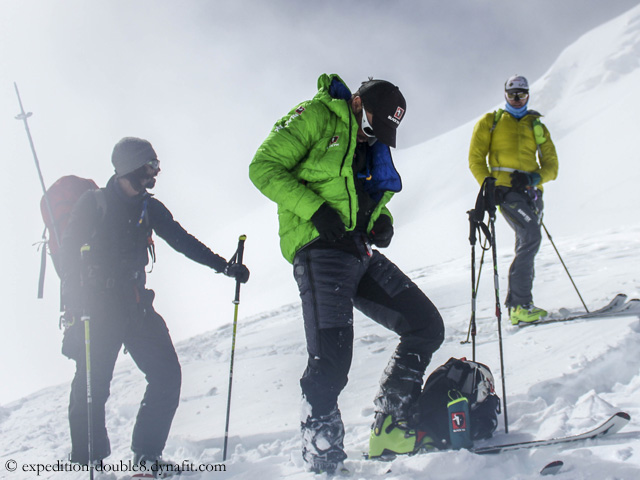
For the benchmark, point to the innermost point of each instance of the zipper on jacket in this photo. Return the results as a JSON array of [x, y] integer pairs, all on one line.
[[344, 159]]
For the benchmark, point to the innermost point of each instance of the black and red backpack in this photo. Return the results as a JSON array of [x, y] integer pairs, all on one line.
[[56, 206], [458, 377]]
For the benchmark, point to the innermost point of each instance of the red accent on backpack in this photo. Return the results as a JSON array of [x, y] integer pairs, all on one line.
[[62, 196]]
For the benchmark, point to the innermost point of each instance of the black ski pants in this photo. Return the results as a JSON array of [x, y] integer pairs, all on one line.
[[523, 212], [331, 283], [145, 337]]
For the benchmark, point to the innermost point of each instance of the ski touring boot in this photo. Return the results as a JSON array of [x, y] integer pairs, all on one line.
[[390, 438], [323, 444], [526, 314]]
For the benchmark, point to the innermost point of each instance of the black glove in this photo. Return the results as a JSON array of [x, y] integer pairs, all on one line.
[[237, 271], [382, 231], [521, 180], [328, 223]]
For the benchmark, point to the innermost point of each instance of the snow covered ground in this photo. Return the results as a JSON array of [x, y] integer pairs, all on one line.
[[561, 378]]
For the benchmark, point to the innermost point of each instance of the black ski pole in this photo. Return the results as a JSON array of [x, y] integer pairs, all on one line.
[[86, 319], [565, 267], [476, 225], [472, 330], [237, 258], [499, 318], [474, 284], [24, 116], [491, 209]]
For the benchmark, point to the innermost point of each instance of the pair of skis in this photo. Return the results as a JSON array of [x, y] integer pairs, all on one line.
[[606, 429], [619, 306], [613, 425]]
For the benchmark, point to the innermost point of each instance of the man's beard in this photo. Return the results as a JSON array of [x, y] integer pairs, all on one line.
[[150, 182], [143, 182]]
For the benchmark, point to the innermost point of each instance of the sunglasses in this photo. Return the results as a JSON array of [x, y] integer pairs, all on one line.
[[365, 125], [517, 95], [155, 164]]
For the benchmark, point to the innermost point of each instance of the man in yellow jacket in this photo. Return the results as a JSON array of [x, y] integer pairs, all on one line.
[[513, 146]]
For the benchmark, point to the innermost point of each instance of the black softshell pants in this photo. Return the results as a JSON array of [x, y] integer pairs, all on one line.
[[331, 283], [146, 338], [523, 212]]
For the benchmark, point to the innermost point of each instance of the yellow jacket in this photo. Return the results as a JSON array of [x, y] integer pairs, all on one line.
[[512, 145]]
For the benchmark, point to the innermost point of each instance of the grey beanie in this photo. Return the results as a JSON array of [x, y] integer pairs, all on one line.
[[131, 153]]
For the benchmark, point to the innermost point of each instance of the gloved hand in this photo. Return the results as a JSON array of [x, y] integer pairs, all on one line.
[[521, 180], [237, 271], [382, 231], [328, 223]]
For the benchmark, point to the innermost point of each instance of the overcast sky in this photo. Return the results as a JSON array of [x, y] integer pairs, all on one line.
[[205, 80]]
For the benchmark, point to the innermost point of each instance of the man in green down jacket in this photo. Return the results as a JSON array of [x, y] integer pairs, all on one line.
[[327, 164]]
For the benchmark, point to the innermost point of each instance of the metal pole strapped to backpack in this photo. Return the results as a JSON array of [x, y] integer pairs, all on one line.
[[237, 258], [24, 116]]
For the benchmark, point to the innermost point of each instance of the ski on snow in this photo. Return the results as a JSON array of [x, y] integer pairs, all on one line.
[[619, 306], [609, 427]]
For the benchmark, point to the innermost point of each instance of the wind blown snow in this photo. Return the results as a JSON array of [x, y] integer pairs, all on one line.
[[561, 378]]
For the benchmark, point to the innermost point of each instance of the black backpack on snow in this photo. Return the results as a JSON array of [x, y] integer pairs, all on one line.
[[457, 377]]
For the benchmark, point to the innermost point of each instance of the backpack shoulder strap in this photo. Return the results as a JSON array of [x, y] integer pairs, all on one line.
[[496, 118], [101, 201]]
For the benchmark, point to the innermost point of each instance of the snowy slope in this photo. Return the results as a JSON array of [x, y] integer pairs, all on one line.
[[560, 378]]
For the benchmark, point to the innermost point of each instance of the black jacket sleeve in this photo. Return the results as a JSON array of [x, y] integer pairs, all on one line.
[[179, 239]]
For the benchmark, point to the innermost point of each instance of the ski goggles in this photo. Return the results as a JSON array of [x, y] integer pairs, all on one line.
[[365, 125], [517, 95], [155, 164]]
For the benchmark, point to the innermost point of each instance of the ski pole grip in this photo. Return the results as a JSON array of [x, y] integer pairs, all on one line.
[[241, 241], [489, 195], [239, 255]]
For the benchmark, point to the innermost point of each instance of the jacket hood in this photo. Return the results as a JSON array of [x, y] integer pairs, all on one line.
[[333, 92]]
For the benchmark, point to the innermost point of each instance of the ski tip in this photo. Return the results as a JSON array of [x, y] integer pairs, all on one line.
[[624, 415], [552, 468]]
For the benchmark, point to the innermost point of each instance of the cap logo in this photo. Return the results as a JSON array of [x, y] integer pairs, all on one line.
[[399, 113]]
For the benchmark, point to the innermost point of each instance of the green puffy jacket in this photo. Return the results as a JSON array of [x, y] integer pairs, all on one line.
[[511, 146], [307, 160]]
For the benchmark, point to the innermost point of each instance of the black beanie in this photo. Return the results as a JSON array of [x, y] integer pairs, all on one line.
[[131, 153]]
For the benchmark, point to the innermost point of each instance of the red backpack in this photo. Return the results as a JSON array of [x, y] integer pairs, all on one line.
[[56, 205]]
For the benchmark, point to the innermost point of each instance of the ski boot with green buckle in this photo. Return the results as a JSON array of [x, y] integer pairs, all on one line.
[[526, 314], [390, 438]]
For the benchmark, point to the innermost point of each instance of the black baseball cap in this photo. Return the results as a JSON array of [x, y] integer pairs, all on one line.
[[387, 106]]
